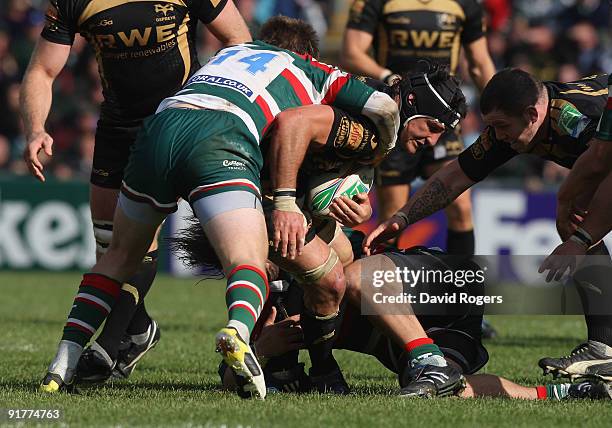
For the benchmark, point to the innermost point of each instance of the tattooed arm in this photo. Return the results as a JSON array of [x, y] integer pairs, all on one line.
[[437, 193]]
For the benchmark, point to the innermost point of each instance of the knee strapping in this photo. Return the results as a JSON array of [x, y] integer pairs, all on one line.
[[314, 274], [103, 233]]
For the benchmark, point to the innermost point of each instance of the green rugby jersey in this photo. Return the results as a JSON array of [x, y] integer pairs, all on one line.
[[256, 81]]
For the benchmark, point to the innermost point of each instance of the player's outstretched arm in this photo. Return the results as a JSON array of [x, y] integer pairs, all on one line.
[[480, 64], [595, 225], [46, 62], [437, 193], [229, 27], [487, 385], [294, 132]]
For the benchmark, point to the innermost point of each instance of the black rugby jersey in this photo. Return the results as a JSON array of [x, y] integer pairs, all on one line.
[[145, 48], [574, 109], [406, 31]]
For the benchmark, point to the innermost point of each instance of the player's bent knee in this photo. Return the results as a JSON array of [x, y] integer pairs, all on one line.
[[331, 287], [120, 261], [352, 276], [336, 283]]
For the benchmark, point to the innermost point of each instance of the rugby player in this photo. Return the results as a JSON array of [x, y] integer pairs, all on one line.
[[430, 104], [145, 51], [203, 145], [553, 120], [403, 33], [334, 138], [590, 174], [456, 330]]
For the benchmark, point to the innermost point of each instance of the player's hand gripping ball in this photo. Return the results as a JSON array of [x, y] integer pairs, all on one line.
[[323, 188]]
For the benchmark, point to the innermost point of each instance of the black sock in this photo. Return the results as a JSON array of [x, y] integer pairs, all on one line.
[[126, 307], [319, 338], [460, 243], [140, 320], [596, 293], [599, 328]]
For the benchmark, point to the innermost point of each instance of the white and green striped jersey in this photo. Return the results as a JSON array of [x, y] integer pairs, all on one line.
[[256, 81]]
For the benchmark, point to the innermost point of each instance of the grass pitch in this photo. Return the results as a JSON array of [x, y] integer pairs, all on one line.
[[177, 384]]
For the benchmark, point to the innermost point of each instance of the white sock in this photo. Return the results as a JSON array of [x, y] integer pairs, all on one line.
[[140, 339], [432, 360], [241, 328], [65, 361]]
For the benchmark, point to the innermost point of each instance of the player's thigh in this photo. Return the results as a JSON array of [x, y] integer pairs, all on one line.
[[111, 155], [342, 246], [238, 237], [314, 254], [221, 183], [102, 202], [365, 277], [110, 158]]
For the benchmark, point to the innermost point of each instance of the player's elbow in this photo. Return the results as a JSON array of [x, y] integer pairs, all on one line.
[[287, 118], [348, 57], [40, 74], [384, 112], [349, 53], [601, 158]]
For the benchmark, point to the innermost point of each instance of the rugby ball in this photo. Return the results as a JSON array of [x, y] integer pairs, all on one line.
[[324, 187]]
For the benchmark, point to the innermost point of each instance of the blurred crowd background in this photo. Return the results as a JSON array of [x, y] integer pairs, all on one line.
[[553, 39]]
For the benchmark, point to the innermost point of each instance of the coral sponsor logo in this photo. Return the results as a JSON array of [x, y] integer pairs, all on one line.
[[221, 81]]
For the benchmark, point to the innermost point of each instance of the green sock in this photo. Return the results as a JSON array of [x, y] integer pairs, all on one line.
[[557, 391], [246, 293]]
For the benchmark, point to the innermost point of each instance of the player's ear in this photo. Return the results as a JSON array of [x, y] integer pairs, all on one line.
[[531, 114]]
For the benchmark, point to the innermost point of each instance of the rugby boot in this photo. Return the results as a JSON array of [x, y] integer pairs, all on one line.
[[590, 359], [239, 357], [591, 390], [293, 379], [330, 383], [131, 353], [428, 381], [53, 383], [94, 367]]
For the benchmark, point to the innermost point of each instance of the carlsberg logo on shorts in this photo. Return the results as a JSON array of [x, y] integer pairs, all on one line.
[[233, 164]]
